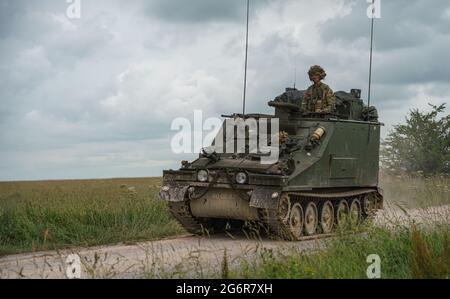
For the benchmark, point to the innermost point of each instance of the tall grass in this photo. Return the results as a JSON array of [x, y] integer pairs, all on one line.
[[426, 262], [404, 254], [38, 216]]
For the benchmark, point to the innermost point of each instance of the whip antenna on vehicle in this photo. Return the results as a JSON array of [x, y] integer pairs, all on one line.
[[246, 57], [371, 52]]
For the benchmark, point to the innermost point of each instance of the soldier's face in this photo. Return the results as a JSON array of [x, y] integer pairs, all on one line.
[[315, 79]]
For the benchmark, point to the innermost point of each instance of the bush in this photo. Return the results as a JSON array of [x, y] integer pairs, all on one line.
[[421, 145]]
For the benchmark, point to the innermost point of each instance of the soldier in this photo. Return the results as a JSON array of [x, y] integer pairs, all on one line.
[[318, 97]]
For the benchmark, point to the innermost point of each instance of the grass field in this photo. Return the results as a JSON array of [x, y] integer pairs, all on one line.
[[405, 252], [47, 215]]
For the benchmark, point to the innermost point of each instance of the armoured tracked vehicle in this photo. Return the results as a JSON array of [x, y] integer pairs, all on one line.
[[326, 174]]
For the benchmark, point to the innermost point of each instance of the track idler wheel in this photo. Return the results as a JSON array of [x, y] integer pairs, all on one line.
[[284, 208], [327, 217], [296, 221]]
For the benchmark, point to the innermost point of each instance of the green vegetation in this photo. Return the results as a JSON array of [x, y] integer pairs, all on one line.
[[421, 145], [37, 216], [404, 253]]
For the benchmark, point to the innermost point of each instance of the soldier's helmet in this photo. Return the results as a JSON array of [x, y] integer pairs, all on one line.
[[317, 70]]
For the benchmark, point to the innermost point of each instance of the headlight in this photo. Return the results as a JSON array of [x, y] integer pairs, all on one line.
[[241, 178], [202, 176]]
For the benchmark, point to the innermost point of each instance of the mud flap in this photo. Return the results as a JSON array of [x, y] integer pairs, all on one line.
[[262, 198]]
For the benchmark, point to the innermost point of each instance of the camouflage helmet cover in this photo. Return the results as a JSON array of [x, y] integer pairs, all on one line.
[[317, 70]]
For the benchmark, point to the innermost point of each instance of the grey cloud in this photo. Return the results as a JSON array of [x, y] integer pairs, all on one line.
[[9, 17], [145, 60], [423, 64], [12, 13], [89, 160], [196, 11], [411, 40], [403, 24]]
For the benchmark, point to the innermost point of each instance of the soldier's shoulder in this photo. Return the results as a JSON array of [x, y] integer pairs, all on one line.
[[326, 87]]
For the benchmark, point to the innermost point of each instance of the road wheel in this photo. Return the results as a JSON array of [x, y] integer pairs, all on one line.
[[311, 219], [342, 211], [368, 205], [355, 212], [296, 221], [327, 217]]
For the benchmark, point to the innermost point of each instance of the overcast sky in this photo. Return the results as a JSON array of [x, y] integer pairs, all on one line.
[[95, 96]]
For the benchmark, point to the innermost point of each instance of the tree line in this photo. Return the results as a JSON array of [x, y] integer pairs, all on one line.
[[420, 145]]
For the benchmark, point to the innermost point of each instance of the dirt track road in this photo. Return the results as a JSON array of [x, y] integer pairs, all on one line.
[[152, 259], [189, 254]]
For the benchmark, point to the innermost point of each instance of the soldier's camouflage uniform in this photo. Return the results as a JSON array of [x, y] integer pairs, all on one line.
[[319, 99]]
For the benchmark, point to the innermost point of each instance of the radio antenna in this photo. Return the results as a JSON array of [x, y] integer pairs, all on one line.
[[246, 57], [370, 68], [371, 53]]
